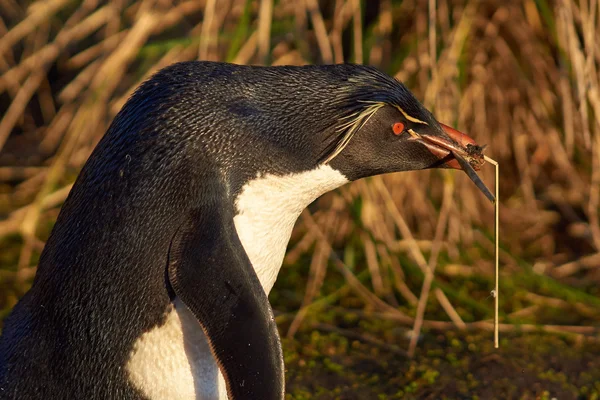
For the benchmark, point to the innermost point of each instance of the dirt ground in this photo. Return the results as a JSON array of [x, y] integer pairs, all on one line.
[[448, 365]]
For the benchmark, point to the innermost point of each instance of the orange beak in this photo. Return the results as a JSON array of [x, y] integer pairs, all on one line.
[[460, 153], [445, 150]]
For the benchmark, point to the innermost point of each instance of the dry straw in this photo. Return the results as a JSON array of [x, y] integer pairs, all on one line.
[[496, 228]]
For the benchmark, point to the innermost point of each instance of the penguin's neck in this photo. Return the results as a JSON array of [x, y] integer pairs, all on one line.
[[267, 209]]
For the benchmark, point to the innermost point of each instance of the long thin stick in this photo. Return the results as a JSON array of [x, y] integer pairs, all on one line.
[[496, 225]]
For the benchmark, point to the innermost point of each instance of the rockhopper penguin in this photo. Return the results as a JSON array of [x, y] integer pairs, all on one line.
[[154, 281]]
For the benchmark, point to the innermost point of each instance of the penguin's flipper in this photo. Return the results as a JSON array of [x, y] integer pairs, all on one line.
[[211, 273]]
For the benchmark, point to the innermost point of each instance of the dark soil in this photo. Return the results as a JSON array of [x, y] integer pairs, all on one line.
[[447, 365]]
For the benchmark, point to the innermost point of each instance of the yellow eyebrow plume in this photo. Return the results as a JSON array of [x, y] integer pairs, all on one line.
[[408, 117], [353, 122]]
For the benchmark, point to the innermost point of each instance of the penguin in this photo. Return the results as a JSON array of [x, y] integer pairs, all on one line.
[[154, 281]]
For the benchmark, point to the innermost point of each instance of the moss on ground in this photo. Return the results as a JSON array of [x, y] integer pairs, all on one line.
[[448, 365]]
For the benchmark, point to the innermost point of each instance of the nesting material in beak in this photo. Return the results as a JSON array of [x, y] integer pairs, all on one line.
[[463, 154]]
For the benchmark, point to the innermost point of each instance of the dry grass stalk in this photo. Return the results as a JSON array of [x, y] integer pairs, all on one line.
[[248, 50], [398, 276], [357, 31], [40, 12], [427, 269], [361, 337], [446, 66], [578, 61], [445, 303], [496, 247], [352, 281], [594, 193], [401, 223], [264, 29], [591, 261], [373, 265], [339, 22], [430, 270], [301, 247], [55, 131], [18, 173], [488, 326], [209, 33], [15, 220], [86, 56], [80, 82], [320, 31], [116, 64], [50, 52], [19, 103], [318, 269]]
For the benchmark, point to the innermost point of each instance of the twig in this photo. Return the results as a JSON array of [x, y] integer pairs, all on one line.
[[496, 246]]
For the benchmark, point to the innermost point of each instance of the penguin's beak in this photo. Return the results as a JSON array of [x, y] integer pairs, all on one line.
[[461, 152], [450, 152]]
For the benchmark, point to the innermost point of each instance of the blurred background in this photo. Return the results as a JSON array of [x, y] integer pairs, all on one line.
[[385, 290]]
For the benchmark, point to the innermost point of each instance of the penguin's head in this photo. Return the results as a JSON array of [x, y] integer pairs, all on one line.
[[383, 128]]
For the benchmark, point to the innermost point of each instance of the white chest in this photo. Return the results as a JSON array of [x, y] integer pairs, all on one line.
[[268, 208], [174, 360]]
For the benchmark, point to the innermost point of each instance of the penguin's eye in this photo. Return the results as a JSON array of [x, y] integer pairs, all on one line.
[[398, 128]]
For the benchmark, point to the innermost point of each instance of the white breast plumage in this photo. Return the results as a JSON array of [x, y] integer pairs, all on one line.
[[174, 360], [268, 208]]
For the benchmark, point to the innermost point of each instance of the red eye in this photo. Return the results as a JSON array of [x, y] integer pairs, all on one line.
[[398, 128]]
